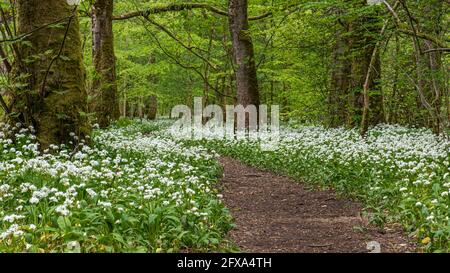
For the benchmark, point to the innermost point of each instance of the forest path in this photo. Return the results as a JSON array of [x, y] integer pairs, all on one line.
[[274, 213]]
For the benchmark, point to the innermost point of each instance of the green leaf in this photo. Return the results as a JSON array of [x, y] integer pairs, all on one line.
[[64, 58], [63, 222]]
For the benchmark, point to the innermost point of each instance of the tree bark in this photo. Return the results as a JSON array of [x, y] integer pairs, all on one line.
[[152, 107], [340, 81], [364, 31], [54, 100], [432, 79], [105, 100], [243, 52]]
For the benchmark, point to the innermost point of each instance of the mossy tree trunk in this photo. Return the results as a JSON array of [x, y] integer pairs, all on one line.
[[53, 99], [352, 56], [243, 52], [431, 78], [105, 102], [364, 31]]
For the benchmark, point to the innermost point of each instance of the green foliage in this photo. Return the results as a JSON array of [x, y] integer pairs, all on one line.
[[293, 47]]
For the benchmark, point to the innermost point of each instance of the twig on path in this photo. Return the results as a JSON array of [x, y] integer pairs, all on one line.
[[324, 245]]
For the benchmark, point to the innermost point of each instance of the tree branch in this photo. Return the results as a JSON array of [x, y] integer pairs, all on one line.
[[424, 36], [5, 61], [44, 81], [161, 27], [4, 106], [180, 7], [17, 38], [259, 17], [401, 28], [195, 69], [437, 49]]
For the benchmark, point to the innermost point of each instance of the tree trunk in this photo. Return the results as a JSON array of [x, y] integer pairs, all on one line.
[[131, 109], [364, 31], [432, 79], [105, 101], [140, 107], [340, 81], [243, 52], [152, 107], [54, 100]]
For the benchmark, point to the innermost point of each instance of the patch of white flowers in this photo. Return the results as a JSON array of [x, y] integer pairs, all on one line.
[[126, 175], [404, 170], [412, 162]]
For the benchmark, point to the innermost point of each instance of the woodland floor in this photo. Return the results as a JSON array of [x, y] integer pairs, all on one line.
[[274, 213]]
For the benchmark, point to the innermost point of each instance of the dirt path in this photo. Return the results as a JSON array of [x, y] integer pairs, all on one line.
[[276, 214]]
